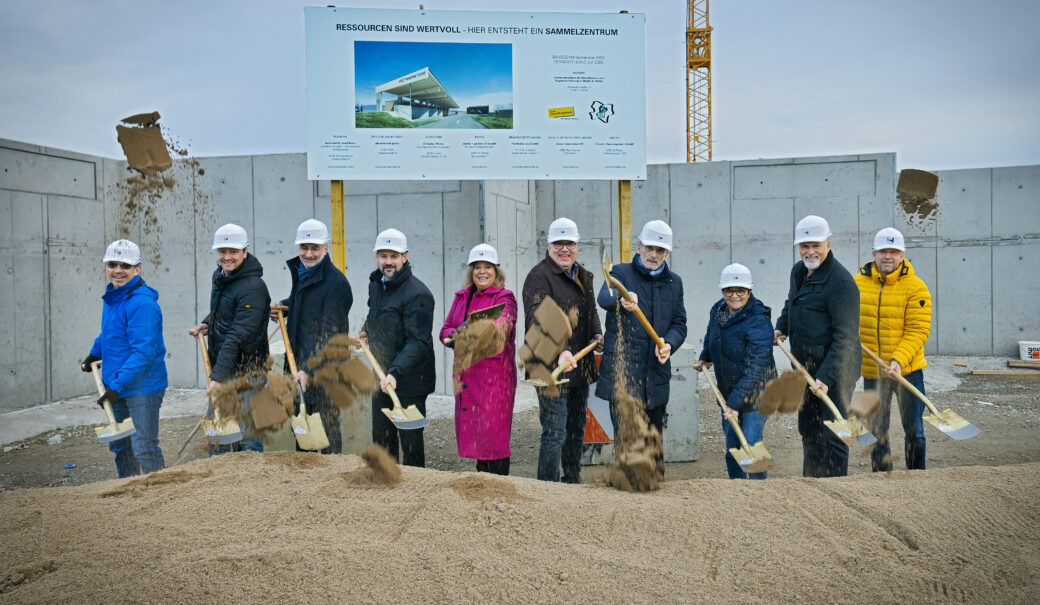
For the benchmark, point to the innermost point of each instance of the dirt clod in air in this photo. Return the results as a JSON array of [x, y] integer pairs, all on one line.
[[544, 341], [381, 468], [864, 404], [342, 376], [783, 394], [915, 192], [479, 340]]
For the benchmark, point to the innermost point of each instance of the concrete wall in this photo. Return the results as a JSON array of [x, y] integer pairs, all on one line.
[[59, 209]]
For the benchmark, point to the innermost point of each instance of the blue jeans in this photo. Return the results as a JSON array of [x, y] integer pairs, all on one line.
[[139, 453], [752, 424], [911, 410], [563, 431], [247, 444]]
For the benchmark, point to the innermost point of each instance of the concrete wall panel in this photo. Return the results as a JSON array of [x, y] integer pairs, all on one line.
[[43, 173], [361, 230], [1016, 201], [762, 241], [924, 262], [1015, 313], [965, 208], [824, 179], [966, 324], [282, 199]]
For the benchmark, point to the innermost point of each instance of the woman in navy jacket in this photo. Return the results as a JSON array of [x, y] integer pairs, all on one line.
[[739, 344]]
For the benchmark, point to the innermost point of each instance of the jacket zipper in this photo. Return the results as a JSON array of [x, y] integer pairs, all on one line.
[[877, 331]]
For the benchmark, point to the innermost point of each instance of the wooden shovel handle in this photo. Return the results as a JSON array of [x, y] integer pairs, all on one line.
[[809, 380], [201, 337], [379, 372], [899, 377], [577, 357], [285, 339], [721, 401], [638, 312], [95, 369]]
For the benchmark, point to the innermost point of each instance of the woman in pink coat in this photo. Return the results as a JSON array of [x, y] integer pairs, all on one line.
[[485, 391]]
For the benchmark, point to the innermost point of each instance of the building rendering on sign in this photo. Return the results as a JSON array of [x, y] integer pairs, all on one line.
[[419, 97]]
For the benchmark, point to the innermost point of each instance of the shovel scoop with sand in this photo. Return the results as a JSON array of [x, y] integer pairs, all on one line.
[[112, 431]]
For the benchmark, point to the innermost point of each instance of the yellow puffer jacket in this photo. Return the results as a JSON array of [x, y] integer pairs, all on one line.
[[895, 317]]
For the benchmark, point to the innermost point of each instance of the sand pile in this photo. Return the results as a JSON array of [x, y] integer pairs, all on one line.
[[339, 373], [282, 526]]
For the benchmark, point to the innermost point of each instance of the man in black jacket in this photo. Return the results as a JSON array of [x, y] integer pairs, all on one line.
[[236, 327], [399, 329], [318, 303], [821, 317], [559, 276], [658, 292]]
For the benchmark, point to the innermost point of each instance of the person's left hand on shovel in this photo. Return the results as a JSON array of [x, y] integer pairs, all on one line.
[[388, 380], [630, 306], [109, 396], [567, 361], [301, 377], [212, 386], [663, 354]]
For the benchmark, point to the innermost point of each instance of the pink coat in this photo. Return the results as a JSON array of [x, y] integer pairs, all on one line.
[[486, 391]]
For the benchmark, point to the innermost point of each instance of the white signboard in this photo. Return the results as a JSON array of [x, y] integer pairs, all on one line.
[[418, 94]]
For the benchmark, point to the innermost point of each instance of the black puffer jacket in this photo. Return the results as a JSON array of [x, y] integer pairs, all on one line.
[[400, 331], [661, 301], [239, 307], [318, 308], [821, 319], [548, 279]]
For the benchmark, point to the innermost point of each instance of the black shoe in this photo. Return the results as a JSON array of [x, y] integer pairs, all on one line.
[[570, 480]]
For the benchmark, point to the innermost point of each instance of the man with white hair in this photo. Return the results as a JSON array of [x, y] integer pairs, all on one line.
[[895, 317], [236, 327], [318, 303], [658, 293], [133, 355], [821, 317], [399, 328], [560, 277]]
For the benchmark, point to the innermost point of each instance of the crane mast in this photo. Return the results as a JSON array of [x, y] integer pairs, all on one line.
[[698, 82]]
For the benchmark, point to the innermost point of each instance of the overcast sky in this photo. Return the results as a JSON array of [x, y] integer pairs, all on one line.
[[943, 83]]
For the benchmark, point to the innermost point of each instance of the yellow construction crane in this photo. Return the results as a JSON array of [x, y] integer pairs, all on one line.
[[698, 82]]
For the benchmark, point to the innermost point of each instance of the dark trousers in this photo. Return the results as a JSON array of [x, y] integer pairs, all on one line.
[[824, 454], [317, 401], [911, 410], [385, 434], [497, 467], [563, 432]]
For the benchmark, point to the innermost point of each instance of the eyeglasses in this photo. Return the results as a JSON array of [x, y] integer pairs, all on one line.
[[735, 292], [565, 245], [113, 264]]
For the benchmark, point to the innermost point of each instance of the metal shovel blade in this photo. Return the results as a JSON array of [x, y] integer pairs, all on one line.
[[408, 418], [753, 459], [115, 431], [952, 424], [851, 431], [308, 428], [224, 432]]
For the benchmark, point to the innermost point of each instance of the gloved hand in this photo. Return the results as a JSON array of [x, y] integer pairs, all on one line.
[[109, 396], [450, 340], [85, 364]]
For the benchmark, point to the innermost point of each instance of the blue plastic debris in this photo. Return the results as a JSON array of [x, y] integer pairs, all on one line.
[[70, 466]]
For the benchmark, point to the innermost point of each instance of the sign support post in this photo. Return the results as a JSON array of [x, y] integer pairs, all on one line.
[[339, 245]]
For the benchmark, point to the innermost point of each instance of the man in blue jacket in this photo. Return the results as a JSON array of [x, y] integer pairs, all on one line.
[[658, 293], [130, 347], [318, 303]]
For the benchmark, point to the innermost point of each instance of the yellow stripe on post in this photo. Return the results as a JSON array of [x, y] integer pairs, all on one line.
[[624, 221], [339, 246]]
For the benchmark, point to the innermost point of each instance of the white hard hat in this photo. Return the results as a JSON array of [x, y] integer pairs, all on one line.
[[812, 229], [736, 276], [230, 236], [889, 237], [656, 233], [483, 252], [312, 231], [563, 230], [391, 239], [123, 251]]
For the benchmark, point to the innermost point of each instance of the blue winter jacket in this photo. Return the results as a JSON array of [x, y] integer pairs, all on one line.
[[661, 301], [130, 345], [741, 352]]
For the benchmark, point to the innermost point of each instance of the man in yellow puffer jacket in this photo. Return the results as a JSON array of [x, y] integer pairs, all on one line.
[[895, 317]]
